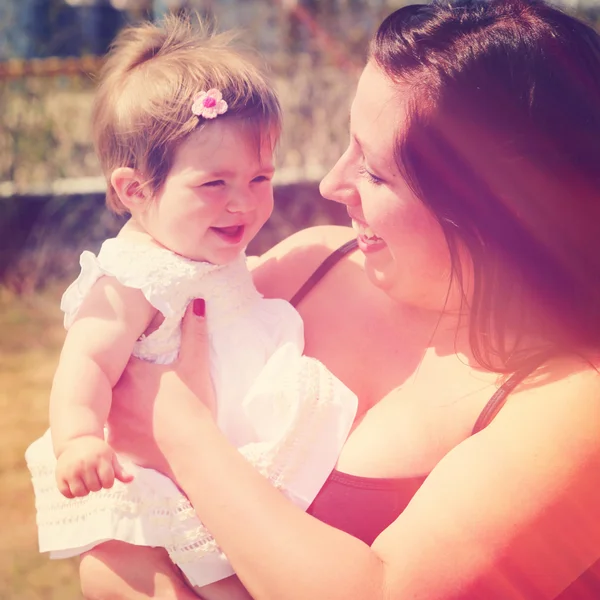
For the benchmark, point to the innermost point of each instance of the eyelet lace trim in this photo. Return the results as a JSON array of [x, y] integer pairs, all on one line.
[[173, 520], [169, 282]]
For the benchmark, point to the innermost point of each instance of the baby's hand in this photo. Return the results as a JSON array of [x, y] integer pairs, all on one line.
[[88, 464]]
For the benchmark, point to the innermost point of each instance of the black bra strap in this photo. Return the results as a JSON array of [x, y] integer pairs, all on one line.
[[496, 402], [323, 269]]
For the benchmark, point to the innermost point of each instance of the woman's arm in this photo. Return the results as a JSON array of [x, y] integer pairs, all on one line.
[[96, 350], [512, 512]]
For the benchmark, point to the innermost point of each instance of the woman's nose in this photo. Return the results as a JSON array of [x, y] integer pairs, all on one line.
[[337, 185]]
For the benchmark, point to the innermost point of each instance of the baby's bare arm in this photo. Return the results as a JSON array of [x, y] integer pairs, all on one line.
[[96, 350]]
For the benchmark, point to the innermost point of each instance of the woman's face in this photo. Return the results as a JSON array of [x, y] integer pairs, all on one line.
[[406, 254]]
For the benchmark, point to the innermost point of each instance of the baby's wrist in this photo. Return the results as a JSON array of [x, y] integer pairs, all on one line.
[[59, 448]]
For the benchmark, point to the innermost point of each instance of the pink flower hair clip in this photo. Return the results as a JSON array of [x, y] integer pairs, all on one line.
[[209, 104]]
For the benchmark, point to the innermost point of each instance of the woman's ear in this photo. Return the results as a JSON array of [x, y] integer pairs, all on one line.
[[129, 187]]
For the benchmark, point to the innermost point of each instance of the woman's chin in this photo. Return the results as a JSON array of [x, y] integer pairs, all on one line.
[[379, 267]]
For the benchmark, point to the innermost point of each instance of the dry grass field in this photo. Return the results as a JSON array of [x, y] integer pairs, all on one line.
[[30, 337]]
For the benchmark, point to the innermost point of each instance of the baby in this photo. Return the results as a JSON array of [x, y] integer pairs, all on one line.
[[185, 125]]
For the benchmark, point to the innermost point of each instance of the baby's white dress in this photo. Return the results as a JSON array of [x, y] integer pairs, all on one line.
[[286, 413]]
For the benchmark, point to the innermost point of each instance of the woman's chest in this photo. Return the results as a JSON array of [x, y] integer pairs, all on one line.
[[371, 352], [409, 430], [415, 405], [412, 411]]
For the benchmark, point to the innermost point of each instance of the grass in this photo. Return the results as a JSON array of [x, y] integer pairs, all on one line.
[[30, 340]]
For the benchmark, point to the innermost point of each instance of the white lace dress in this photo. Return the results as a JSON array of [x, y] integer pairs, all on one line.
[[284, 412]]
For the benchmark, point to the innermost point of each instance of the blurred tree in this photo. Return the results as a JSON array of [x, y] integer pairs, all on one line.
[[590, 11], [99, 22], [333, 29], [39, 28], [43, 28]]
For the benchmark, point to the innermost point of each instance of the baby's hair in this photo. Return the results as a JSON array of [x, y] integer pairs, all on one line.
[[143, 105]]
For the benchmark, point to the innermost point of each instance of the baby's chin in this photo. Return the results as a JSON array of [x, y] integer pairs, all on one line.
[[220, 258]]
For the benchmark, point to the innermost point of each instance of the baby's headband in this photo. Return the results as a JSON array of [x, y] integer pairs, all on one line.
[[209, 104]]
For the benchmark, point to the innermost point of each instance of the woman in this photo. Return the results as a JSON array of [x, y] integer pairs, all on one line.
[[468, 323]]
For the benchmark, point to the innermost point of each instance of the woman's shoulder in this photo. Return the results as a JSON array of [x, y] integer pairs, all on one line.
[[552, 420], [548, 430], [567, 386], [563, 401], [523, 493], [281, 271]]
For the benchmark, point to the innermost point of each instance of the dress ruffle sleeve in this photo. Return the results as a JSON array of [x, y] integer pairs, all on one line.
[[167, 281], [153, 271]]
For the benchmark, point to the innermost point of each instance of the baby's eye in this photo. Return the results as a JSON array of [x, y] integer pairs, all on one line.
[[215, 183], [261, 179]]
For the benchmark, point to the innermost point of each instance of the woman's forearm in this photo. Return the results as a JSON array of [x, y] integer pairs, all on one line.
[[278, 551]]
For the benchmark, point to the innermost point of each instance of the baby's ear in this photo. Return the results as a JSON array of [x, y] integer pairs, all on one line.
[[129, 186]]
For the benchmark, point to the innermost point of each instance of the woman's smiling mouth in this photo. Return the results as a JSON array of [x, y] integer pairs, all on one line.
[[368, 241]]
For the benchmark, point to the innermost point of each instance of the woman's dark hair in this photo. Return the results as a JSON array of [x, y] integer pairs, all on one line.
[[502, 144]]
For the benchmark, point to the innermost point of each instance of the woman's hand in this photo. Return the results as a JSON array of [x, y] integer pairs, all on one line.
[[155, 406]]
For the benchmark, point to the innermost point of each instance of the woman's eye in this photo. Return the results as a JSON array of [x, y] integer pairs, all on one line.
[[370, 177]]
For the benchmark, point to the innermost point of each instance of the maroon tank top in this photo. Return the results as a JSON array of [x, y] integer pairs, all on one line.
[[365, 506]]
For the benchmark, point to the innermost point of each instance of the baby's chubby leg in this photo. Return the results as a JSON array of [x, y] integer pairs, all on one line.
[[119, 571]]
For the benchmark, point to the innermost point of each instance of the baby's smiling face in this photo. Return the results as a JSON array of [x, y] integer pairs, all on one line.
[[217, 195]]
